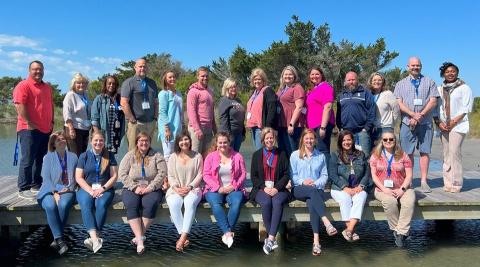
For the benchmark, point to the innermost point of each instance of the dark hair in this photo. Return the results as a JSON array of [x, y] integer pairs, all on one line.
[[35, 61], [445, 66], [342, 155], [104, 88], [176, 147], [317, 68]]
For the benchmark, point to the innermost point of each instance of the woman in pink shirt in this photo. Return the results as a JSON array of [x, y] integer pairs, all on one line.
[[392, 174], [320, 117], [291, 97], [224, 174]]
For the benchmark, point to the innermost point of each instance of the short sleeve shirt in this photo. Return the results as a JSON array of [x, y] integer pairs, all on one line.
[[132, 89], [406, 91], [38, 101], [398, 169], [287, 97], [87, 162]]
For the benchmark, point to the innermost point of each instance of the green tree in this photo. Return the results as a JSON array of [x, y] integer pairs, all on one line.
[[7, 84]]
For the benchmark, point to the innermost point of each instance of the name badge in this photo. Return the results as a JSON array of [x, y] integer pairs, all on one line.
[[358, 147], [96, 186], [119, 107], [249, 115], [388, 183], [269, 184], [304, 110], [278, 110], [117, 124], [417, 102], [87, 123], [145, 105], [143, 183]]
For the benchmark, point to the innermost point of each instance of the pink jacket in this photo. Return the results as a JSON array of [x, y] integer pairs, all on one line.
[[200, 108], [211, 167]]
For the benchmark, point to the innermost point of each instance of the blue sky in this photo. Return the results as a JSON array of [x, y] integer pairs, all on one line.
[[93, 37]]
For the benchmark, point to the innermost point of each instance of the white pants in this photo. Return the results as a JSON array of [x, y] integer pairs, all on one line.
[[351, 207], [183, 222], [167, 147]]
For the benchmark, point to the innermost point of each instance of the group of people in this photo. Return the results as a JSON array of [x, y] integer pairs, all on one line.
[[291, 129]]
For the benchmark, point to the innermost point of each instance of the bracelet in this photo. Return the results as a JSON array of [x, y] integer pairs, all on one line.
[[323, 128], [104, 188]]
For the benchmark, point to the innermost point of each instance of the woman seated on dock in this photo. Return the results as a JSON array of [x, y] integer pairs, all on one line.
[[224, 175], [350, 174], [309, 176], [392, 174], [270, 173], [185, 168], [57, 193], [142, 172], [96, 174]]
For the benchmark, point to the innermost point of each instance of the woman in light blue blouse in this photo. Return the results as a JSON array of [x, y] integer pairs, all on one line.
[[309, 175], [170, 113]]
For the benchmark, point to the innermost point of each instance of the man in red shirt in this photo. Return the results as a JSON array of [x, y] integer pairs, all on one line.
[[33, 100]]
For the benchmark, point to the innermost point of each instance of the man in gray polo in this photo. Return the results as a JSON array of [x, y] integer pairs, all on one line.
[[139, 103], [417, 98]]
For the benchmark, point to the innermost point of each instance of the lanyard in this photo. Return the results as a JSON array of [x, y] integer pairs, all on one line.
[[351, 158], [376, 97], [389, 162], [84, 99], [98, 162], [143, 83], [416, 84], [269, 156], [253, 97], [283, 91], [143, 167], [63, 164]]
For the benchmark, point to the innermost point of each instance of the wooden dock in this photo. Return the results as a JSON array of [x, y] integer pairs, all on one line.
[[438, 205]]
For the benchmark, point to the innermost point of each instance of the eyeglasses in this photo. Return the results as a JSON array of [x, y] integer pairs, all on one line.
[[388, 139]]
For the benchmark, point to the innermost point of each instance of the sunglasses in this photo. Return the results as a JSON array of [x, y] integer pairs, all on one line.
[[388, 139]]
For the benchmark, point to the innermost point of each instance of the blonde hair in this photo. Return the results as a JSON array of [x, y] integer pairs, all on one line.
[[78, 77], [104, 154], [301, 147], [258, 72], [397, 150], [227, 84], [266, 131], [295, 76], [370, 80], [164, 78]]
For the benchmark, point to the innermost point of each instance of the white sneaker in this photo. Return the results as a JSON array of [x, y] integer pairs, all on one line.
[[88, 243], [97, 245], [224, 240], [230, 241]]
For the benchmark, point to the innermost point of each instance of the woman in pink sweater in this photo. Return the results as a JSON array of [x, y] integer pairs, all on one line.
[[224, 174]]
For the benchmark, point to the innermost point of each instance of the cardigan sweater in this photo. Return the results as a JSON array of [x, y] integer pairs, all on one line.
[[52, 172], [130, 171], [212, 165], [193, 172]]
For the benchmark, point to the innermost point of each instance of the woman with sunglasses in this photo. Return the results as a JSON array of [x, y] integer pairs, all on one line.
[[392, 174]]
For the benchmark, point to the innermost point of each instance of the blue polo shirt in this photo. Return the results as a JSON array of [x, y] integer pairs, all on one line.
[[87, 163]]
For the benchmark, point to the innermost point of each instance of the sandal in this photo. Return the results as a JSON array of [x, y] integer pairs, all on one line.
[[355, 237], [179, 245], [186, 243], [347, 235], [316, 250], [134, 240], [331, 231], [140, 249]]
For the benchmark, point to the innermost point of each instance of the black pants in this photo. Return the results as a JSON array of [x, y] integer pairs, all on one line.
[[33, 145], [79, 144], [141, 205]]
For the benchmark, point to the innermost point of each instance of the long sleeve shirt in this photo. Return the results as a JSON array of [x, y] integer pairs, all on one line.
[[200, 108], [130, 171], [184, 175], [314, 168]]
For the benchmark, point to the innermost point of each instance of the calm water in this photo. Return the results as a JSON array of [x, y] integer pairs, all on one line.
[[431, 244]]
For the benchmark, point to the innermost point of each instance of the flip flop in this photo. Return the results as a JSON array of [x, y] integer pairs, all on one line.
[[347, 235], [331, 231]]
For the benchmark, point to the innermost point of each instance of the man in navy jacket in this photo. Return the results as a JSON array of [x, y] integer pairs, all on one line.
[[356, 112]]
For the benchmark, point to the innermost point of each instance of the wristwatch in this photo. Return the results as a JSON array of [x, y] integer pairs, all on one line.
[[291, 124], [404, 189], [323, 128], [104, 188]]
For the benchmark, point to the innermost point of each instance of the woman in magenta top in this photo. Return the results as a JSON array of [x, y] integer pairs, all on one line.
[[320, 117], [224, 174], [291, 97]]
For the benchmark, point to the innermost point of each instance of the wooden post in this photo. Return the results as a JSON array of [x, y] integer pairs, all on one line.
[[262, 232]]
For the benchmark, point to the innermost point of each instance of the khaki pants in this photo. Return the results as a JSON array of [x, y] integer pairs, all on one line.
[[134, 128], [452, 161], [398, 219], [201, 146]]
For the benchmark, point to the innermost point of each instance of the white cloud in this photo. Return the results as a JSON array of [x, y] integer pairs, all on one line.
[[106, 60], [63, 52], [19, 41]]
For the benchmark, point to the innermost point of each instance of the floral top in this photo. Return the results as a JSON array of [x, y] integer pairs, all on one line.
[[398, 169]]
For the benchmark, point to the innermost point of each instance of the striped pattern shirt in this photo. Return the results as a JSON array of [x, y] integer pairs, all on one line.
[[405, 91]]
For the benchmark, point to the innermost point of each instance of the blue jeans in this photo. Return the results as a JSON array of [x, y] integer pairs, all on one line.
[[236, 142], [216, 201], [362, 138], [286, 142], [315, 203], [256, 136], [94, 211], [57, 215], [33, 145]]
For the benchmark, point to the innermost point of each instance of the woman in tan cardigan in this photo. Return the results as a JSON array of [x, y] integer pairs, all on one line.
[[185, 168], [142, 172]]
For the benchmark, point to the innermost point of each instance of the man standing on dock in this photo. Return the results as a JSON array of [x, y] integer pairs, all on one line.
[[33, 99], [417, 98]]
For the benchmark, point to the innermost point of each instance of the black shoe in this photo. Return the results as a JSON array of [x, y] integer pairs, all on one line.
[[61, 246], [398, 239]]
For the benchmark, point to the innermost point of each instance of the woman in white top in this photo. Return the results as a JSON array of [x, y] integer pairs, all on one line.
[[387, 107], [185, 168], [76, 114], [456, 101]]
